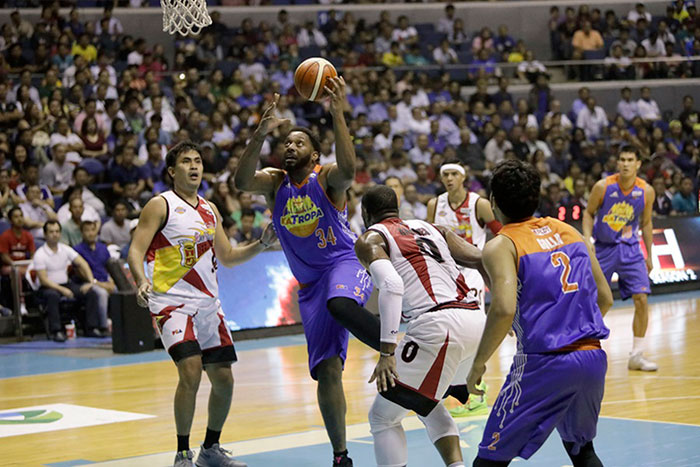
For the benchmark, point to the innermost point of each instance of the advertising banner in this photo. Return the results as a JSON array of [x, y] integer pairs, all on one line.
[[263, 292]]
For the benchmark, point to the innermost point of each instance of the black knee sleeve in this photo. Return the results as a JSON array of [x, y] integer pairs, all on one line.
[[479, 462], [358, 320], [586, 456]]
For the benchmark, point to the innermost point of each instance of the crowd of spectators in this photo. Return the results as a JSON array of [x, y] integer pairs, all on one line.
[[588, 33], [87, 114]]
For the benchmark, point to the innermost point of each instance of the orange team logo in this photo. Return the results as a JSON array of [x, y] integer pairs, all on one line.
[[619, 215], [180, 210], [188, 253], [301, 216]]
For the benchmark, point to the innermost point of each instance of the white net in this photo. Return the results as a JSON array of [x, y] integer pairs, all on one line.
[[185, 16]]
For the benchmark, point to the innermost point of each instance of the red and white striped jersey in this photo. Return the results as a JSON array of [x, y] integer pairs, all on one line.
[[181, 259], [463, 220], [420, 255]]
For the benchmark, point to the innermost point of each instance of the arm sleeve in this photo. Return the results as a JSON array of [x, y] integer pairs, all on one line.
[[390, 286]]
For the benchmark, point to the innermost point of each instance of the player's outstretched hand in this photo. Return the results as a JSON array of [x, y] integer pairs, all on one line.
[[269, 236], [142, 294], [474, 378], [269, 121], [335, 88], [385, 373]]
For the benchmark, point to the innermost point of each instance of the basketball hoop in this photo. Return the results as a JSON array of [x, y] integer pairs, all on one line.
[[185, 16]]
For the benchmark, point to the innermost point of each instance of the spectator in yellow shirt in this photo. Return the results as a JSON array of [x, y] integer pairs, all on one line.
[[586, 39], [85, 49], [393, 57]]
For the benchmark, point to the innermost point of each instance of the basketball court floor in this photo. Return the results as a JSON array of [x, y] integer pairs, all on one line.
[[79, 404]]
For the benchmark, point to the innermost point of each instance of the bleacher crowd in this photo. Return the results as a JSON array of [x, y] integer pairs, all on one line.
[[87, 114]]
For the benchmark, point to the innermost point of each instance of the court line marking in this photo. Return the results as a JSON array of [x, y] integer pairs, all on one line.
[[355, 433], [628, 401]]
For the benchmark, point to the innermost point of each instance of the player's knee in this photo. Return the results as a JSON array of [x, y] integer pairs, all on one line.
[[384, 415], [329, 371], [221, 378], [190, 372], [439, 424], [640, 299]]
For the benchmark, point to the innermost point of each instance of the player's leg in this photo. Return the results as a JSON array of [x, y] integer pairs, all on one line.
[[349, 287], [634, 282], [388, 434], [189, 371], [357, 319], [218, 354], [443, 433], [96, 303], [327, 344], [331, 402], [177, 332], [579, 425]]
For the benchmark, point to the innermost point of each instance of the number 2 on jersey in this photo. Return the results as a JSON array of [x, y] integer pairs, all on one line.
[[559, 258], [323, 239]]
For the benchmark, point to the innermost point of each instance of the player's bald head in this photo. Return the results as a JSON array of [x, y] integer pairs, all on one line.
[[378, 203]]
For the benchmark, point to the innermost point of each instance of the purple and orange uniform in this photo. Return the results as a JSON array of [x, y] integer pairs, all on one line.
[[558, 372], [319, 245], [616, 234]]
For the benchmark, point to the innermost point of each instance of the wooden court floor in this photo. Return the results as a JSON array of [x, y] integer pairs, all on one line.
[[274, 394]]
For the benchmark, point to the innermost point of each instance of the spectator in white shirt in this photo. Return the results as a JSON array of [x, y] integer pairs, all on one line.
[[310, 35], [51, 263], [36, 212], [114, 27], [63, 135], [383, 139], [418, 124], [444, 54], [654, 46], [404, 34], [446, 24], [252, 69], [400, 168], [648, 108], [626, 106], [592, 119], [639, 11], [617, 66], [420, 210]]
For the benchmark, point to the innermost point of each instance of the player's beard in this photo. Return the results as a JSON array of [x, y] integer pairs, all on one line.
[[299, 163]]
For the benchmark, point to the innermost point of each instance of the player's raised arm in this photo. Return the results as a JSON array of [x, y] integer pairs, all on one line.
[[230, 256], [151, 219], [594, 202], [247, 178], [500, 260], [341, 174], [371, 251], [647, 226]]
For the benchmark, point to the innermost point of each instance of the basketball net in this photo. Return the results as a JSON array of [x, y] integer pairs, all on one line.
[[185, 16]]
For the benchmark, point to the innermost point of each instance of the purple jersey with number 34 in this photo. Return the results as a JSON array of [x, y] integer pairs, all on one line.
[[314, 234]]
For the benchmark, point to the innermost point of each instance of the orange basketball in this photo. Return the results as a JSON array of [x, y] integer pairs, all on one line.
[[311, 76]]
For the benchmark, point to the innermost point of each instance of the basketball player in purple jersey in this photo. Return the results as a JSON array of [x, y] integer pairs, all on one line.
[[546, 283], [310, 216], [621, 204]]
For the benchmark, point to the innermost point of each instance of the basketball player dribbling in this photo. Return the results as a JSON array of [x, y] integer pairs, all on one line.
[[622, 204], [468, 215], [547, 284], [181, 236], [414, 267], [309, 207]]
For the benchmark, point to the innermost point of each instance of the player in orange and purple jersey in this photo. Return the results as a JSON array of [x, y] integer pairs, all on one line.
[[546, 283], [622, 204]]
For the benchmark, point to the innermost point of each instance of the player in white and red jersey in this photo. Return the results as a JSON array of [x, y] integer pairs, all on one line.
[[181, 237], [468, 215], [414, 266], [465, 213]]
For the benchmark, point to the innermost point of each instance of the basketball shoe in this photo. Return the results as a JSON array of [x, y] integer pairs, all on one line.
[[476, 405], [638, 362], [216, 456], [184, 459], [342, 460]]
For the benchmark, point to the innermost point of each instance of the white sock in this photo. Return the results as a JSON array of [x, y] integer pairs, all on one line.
[[456, 464], [638, 345]]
